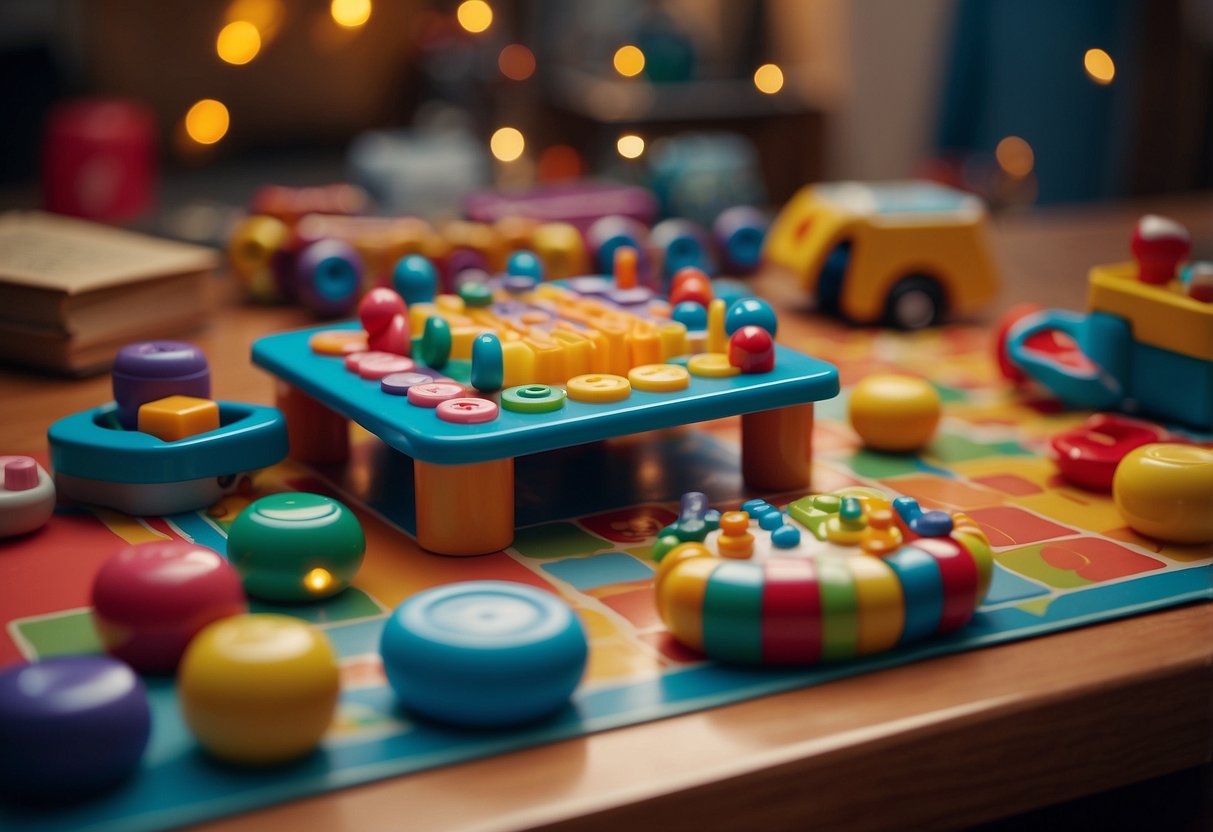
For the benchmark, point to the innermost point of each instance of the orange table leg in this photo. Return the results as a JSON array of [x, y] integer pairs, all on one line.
[[316, 433], [465, 509], [777, 448]]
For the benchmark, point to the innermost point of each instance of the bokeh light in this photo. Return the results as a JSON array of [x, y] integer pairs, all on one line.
[[1099, 66], [238, 42], [629, 61], [1015, 156], [507, 144], [350, 13], [207, 121], [474, 15], [516, 62], [630, 146], [768, 78]]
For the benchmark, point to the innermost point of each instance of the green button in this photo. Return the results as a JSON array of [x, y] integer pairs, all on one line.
[[296, 547], [476, 294], [533, 398]]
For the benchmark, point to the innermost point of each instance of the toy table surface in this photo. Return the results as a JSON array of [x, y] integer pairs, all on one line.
[[949, 742], [419, 433]]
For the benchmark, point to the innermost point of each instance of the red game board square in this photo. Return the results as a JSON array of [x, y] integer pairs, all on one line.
[[944, 493], [630, 525], [1011, 526], [1095, 560], [1009, 484], [638, 607]]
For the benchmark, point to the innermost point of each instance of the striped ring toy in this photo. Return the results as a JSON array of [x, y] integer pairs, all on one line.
[[853, 573]]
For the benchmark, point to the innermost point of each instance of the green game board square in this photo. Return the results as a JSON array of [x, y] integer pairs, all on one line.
[[951, 447], [351, 604], [67, 634], [556, 540]]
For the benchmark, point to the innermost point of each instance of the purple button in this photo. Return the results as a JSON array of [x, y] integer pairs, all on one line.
[[590, 286], [398, 384], [518, 283], [631, 297]]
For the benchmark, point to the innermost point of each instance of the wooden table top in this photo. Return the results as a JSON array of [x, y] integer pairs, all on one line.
[[946, 742]]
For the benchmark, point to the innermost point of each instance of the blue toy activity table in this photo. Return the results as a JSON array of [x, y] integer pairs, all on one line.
[[466, 470]]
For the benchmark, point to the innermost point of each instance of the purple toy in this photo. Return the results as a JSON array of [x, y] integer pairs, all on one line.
[[70, 727], [151, 370], [739, 233], [328, 277]]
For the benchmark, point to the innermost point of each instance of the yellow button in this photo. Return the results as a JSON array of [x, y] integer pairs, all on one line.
[[598, 388], [659, 378], [338, 342], [712, 365]]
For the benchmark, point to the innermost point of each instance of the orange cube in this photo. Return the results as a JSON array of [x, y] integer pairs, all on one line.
[[178, 417]]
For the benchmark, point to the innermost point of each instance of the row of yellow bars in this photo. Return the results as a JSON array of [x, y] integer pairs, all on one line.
[[580, 335]]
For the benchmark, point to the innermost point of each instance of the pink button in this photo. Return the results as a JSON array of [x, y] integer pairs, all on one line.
[[354, 361], [384, 364], [467, 411], [432, 395], [20, 473]]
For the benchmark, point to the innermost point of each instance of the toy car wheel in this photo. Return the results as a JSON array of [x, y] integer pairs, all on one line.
[[914, 302]]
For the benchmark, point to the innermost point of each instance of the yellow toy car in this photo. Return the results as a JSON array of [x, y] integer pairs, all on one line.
[[901, 253]]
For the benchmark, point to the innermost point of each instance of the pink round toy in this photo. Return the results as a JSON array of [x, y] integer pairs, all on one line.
[[467, 411], [150, 599]]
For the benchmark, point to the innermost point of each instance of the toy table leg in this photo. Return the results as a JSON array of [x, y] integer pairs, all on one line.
[[316, 433], [777, 449], [465, 509]]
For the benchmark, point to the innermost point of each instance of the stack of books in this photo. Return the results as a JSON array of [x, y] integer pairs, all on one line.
[[72, 293]]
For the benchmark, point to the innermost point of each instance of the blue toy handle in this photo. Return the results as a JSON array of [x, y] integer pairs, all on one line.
[[1104, 340]]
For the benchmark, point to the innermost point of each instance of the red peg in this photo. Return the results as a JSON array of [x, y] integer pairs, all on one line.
[[752, 350], [1159, 246], [690, 283]]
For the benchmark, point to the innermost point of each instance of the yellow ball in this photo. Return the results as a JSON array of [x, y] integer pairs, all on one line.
[[258, 689], [894, 413], [1165, 491]]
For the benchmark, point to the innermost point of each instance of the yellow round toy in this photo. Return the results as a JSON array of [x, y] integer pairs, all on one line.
[[1165, 491], [258, 689], [894, 413]]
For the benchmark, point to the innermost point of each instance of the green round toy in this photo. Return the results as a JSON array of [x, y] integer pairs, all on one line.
[[533, 398], [296, 547], [475, 294]]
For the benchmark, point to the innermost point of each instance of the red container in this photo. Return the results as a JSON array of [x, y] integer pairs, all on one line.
[[99, 159]]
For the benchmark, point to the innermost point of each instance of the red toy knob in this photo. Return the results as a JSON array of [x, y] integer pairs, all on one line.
[[1159, 246], [752, 350]]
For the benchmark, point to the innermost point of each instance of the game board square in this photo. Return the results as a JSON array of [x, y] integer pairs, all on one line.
[[638, 606], [555, 540], [70, 633], [934, 491], [630, 525], [1007, 586], [598, 570], [1012, 526], [1011, 484], [348, 605], [1068, 564]]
